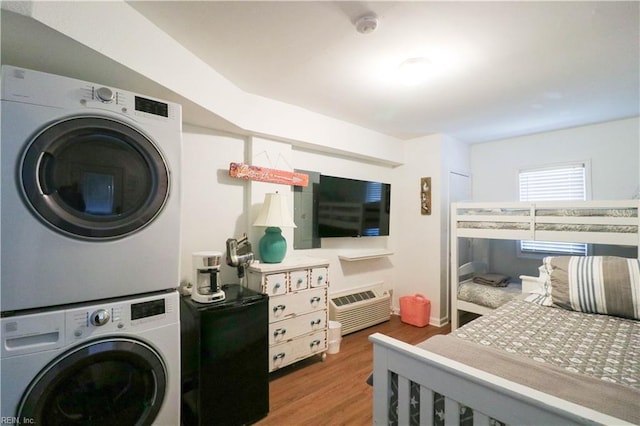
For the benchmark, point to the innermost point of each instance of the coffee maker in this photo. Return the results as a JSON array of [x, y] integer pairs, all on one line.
[[206, 274]]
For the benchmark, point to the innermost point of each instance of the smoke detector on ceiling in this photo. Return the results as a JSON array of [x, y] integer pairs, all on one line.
[[367, 24]]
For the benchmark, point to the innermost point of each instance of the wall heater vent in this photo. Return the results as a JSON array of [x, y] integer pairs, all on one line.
[[360, 308]]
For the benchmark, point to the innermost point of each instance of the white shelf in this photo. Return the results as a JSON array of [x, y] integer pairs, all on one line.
[[355, 255], [297, 262]]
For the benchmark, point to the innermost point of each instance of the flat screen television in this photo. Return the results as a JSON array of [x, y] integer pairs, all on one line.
[[353, 208]]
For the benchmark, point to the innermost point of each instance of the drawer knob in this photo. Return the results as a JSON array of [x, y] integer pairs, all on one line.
[[278, 357], [279, 331], [320, 278], [299, 283], [314, 343], [315, 300], [279, 308], [276, 286], [315, 322]]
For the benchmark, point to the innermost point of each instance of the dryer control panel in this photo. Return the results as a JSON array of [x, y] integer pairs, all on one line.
[[23, 85]]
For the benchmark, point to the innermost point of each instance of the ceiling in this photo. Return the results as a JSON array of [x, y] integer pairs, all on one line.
[[499, 69]]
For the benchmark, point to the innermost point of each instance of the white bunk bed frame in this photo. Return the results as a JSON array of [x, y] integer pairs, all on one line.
[[490, 396], [528, 220]]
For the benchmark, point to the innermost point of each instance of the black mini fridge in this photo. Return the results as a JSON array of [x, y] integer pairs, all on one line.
[[225, 366]]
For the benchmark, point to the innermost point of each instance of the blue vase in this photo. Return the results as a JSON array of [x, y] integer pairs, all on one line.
[[273, 246]]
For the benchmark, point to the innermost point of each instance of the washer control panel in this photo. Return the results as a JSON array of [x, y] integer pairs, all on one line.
[[53, 329], [129, 315]]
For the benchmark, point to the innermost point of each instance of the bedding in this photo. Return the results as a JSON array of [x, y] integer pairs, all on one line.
[[587, 359], [610, 398], [623, 212], [578, 283], [488, 296], [586, 212], [560, 227], [604, 347], [492, 279], [522, 219]]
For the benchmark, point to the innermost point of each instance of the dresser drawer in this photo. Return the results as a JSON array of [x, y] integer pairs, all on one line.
[[319, 277], [299, 280], [285, 330], [275, 284], [292, 304], [303, 347]]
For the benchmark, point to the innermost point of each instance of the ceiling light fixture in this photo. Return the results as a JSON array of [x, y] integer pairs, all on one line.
[[414, 71]]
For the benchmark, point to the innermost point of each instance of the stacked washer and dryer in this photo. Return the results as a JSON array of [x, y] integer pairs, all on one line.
[[90, 253]]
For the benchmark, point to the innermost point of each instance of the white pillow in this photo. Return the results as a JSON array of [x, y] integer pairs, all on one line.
[[541, 295]]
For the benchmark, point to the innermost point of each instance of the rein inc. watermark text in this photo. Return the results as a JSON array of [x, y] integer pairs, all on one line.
[[17, 420]]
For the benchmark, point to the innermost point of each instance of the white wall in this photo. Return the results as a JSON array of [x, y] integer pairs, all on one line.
[[344, 274], [455, 158], [418, 238], [213, 204], [611, 147]]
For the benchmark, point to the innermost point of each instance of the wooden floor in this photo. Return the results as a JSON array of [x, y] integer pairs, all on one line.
[[334, 392]]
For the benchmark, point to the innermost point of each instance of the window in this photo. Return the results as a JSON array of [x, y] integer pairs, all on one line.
[[566, 182]]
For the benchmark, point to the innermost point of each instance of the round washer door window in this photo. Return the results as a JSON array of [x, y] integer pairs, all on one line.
[[110, 382], [94, 178]]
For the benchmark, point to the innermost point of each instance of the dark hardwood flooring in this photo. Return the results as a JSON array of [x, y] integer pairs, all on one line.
[[334, 392]]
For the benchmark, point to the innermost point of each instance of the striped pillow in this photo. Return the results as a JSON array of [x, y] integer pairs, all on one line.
[[596, 284]]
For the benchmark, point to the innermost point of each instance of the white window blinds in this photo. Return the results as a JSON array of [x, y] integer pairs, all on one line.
[[566, 182]]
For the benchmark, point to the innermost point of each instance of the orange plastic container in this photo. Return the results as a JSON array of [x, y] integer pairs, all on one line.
[[415, 310]]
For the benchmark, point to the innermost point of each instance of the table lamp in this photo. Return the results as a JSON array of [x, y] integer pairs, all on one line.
[[274, 215]]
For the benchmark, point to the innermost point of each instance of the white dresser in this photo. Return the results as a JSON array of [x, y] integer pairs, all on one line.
[[298, 321]]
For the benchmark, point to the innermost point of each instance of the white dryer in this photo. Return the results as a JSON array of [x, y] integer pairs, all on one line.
[[90, 191], [116, 362]]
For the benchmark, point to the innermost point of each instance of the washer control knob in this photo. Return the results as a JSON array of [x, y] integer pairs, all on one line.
[[100, 317], [105, 94]]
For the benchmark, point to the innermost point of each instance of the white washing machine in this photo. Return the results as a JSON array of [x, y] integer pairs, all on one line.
[[90, 191], [116, 362]]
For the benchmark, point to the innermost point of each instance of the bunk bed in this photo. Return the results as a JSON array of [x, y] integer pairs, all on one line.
[[487, 372], [594, 222]]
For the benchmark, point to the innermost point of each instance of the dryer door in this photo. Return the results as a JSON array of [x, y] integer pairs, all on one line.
[[117, 381], [94, 178]]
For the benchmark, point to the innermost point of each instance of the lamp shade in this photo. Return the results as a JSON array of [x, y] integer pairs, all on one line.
[[275, 212]]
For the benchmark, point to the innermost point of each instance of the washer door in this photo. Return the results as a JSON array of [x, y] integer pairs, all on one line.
[[110, 382], [94, 178]]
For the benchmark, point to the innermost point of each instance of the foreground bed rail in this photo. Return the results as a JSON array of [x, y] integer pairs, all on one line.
[[489, 396]]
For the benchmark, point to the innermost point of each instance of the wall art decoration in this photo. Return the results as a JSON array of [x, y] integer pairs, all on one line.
[[425, 195], [263, 174]]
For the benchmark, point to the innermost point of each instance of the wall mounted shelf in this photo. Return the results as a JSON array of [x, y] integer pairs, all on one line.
[[356, 255]]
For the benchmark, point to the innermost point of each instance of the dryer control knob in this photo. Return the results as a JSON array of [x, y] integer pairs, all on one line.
[[100, 317], [105, 94]]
